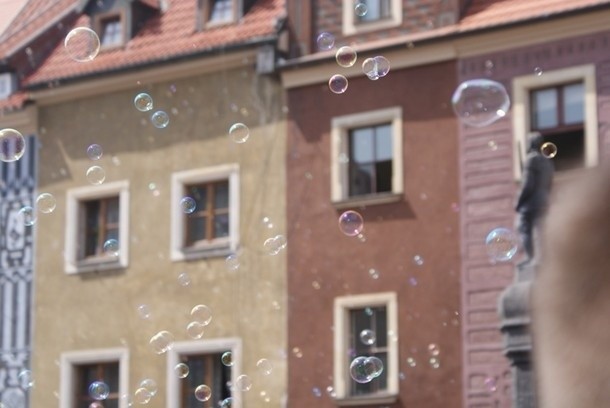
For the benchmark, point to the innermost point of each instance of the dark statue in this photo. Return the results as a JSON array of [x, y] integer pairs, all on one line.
[[534, 196]]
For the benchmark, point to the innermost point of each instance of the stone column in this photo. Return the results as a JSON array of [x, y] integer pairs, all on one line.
[[514, 310]]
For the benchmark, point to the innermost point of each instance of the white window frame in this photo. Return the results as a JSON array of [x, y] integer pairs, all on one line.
[[73, 219], [339, 183], [351, 25], [342, 307], [208, 346], [70, 359], [218, 247], [522, 111]]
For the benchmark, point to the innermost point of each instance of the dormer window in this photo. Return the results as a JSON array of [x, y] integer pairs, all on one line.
[[221, 11], [111, 29]]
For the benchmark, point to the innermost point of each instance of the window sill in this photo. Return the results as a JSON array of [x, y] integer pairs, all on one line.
[[202, 251], [367, 400], [95, 265], [367, 26], [366, 200]]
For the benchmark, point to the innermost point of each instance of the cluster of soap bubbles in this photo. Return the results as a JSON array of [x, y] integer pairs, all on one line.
[[501, 244], [364, 369], [480, 102], [145, 391], [351, 223], [144, 103], [201, 316], [275, 245], [376, 67]]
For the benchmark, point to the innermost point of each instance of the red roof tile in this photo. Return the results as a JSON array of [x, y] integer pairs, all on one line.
[[165, 36], [15, 101], [489, 13]]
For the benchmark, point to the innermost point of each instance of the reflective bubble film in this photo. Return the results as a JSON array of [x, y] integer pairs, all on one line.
[[99, 390], [368, 337], [351, 223], [227, 358], [188, 205], [201, 314], [376, 67], [364, 369], [161, 342], [95, 152], [82, 44], [548, 150], [181, 370], [239, 133], [346, 56], [325, 41], [203, 393], [46, 203], [12, 145], [143, 102], [96, 175], [27, 215], [480, 102], [360, 9], [501, 244], [337, 84], [160, 119]]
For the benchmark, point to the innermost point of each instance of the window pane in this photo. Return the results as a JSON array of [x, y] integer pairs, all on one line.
[[361, 179], [112, 210], [112, 32], [376, 9], [196, 229], [205, 369], [383, 142], [361, 145], [111, 377], [222, 10], [221, 196], [573, 104], [221, 225], [544, 109], [383, 176], [200, 195]]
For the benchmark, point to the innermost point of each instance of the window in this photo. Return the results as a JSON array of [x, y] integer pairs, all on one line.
[[557, 112], [111, 32], [367, 159], [203, 359], [381, 14], [353, 314], [562, 106], [78, 369], [97, 228], [212, 228], [217, 12]]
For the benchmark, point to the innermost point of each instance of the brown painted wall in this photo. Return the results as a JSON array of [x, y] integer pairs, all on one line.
[[324, 264], [488, 196]]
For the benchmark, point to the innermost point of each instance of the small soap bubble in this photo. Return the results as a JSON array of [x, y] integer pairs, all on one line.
[[548, 150], [203, 393], [361, 9], [96, 175], [373, 273], [227, 358], [376, 67], [46, 203], [275, 245], [337, 84], [232, 262], [99, 390], [160, 119], [162, 342], [184, 279], [195, 330], [376, 366], [433, 349], [368, 337], [368, 311], [418, 260], [243, 383], [143, 102], [201, 314], [144, 312], [27, 215], [95, 152], [150, 385], [412, 281], [226, 403], [435, 362], [480, 102], [142, 396], [538, 71], [111, 247], [411, 362], [346, 56], [316, 392], [188, 205], [325, 41], [491, 384], [239, 133], [82, 44], [26, 379], [501, 244], [12, 145], [181, 370], [94, 404], [351, 223], [264, 366]]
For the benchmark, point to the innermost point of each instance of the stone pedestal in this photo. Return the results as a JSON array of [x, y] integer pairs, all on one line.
[[514, 310]]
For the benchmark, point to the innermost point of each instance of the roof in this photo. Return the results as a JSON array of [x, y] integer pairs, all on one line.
[[8, 11]]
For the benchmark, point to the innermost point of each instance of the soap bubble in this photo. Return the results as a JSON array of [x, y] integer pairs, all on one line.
[[243, 383], [160, 119], [96, 175], [325, 41], [26, 379], [99, 390], [232, 262], [144, 311], [337, 84], [538, 71], [184, 279], [150, 385], [143, 102], [27, 215], [195, 330], [201, 314], [361, 9], [364, 369], [490, 384], [433, 349], [227, 358], [142, 396], [264, 366], [368, 337], [226, 403], [376, 67], [501, 244], [480, 102], [548, 150], [111, 247], [346, 56], [181, 370], [351, 223], [12, 145], [95, 152], [46, 203], [161, 342], [239, 132], [203, 393], [188, 205], [418, 260], [82, 44], [274, 245]]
